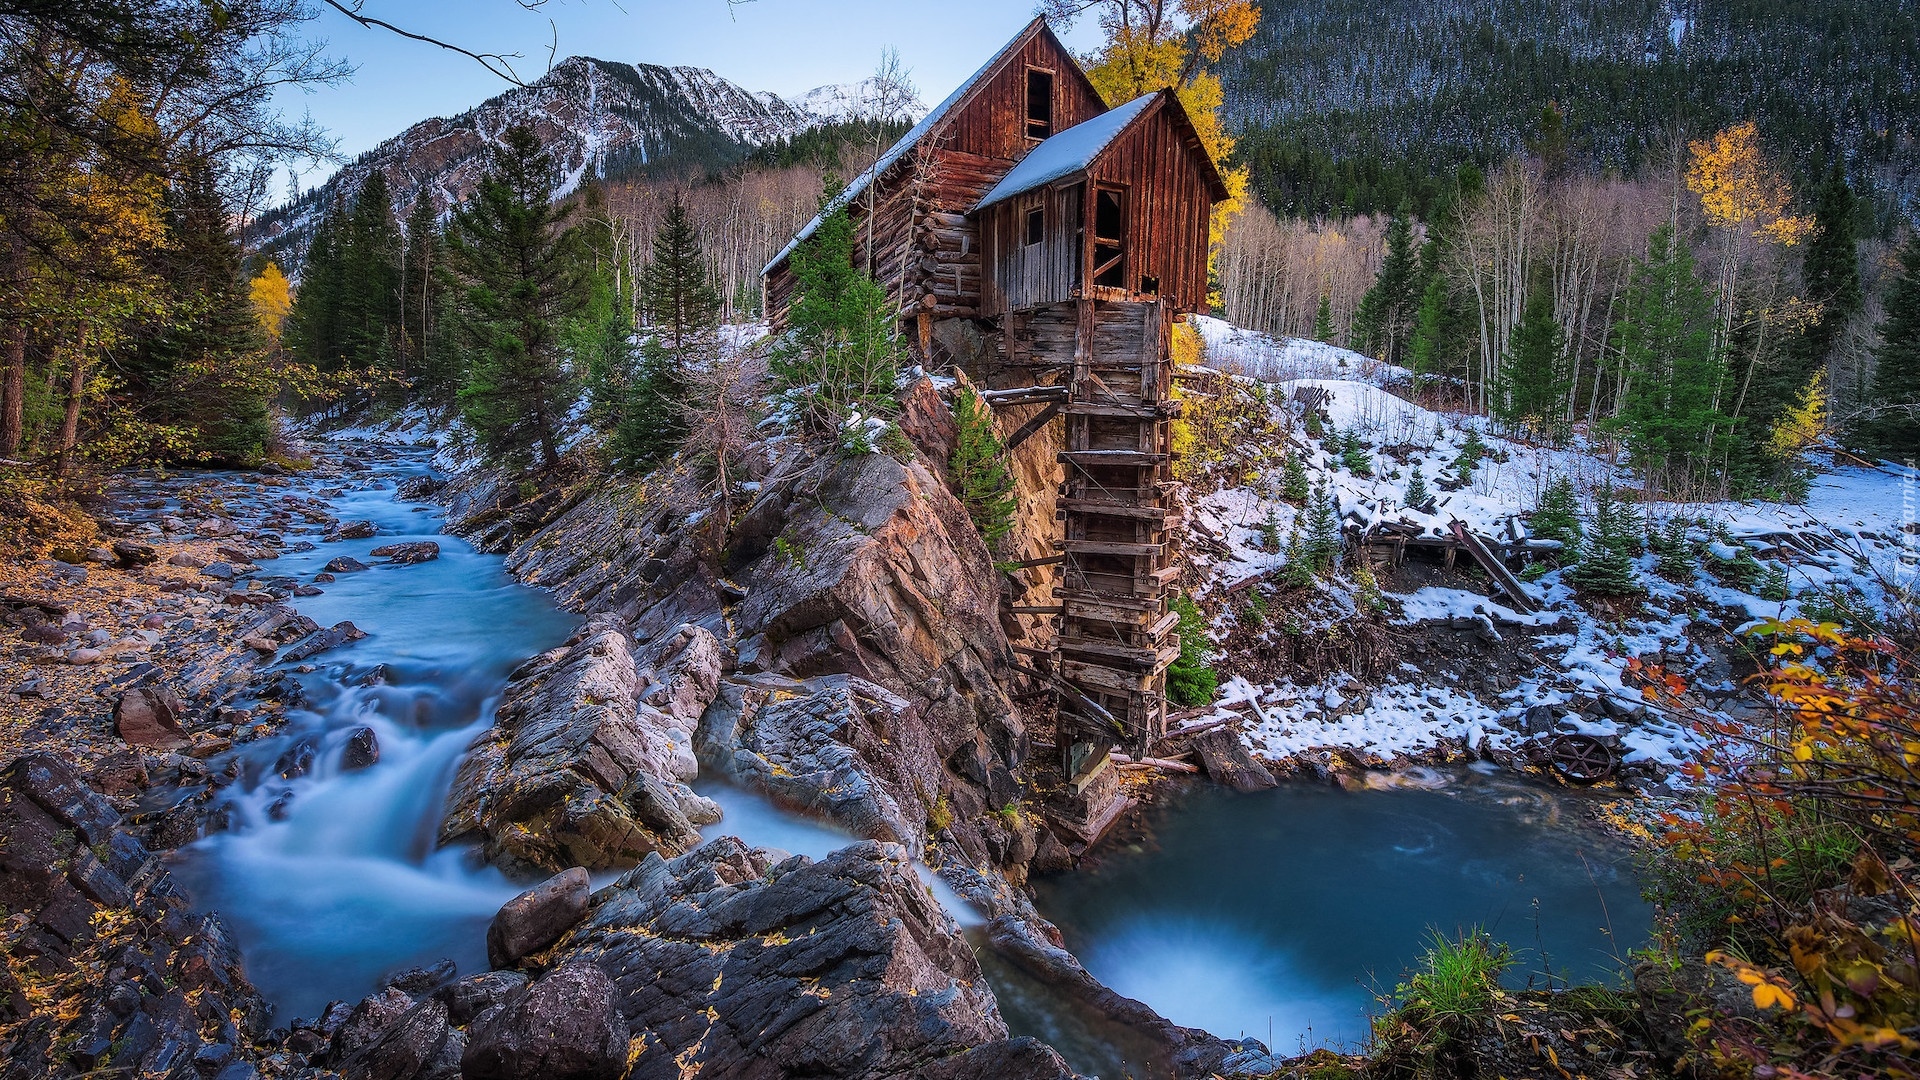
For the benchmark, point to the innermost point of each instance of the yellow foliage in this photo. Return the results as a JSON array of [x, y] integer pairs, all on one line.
[[272, 300], [1738, 187], [1146, 52], [1804, 421]]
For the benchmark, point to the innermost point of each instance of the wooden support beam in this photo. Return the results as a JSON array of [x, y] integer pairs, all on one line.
[[1024, 395], [1031, 427], [1109, 547], [1509, 584], [1111, 457], [1113, 509], [1043, 609], [1028, 564]]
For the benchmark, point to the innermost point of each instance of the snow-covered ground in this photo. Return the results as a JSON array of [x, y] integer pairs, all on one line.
[[1856, 533]]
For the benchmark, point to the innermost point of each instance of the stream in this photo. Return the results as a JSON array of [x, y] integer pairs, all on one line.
[[1272, 915]]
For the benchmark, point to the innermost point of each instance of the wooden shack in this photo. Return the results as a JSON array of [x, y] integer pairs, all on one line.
[[1063, 240]]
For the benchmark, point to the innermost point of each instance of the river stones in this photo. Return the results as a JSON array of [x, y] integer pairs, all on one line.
[[416, 551], [350, 530], [416, 488], [150, 716], [345, 564], [565, 1025], [538, 917], [340, 633], [82, 892], [797, 748], [363, 750]]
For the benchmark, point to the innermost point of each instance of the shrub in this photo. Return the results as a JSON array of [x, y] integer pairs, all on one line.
[[1191, 679], [978, 468], [1556, 515], [1441, 1006]]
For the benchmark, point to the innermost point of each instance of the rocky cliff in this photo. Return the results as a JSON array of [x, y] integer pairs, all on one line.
[[836, 644]]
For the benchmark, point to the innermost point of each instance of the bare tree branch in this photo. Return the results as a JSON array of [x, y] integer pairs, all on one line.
[[500, 64]]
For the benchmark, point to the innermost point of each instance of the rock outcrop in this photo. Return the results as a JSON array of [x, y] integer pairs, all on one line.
[[730, 966], [108, 970], [577, 771]]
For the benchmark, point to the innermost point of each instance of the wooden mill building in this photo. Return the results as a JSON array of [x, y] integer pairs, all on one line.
[[1046, 244]]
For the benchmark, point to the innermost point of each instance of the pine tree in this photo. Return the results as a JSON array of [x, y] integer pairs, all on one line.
[[313, 330], [1471, 451], [521, 272], [370, 279], [1353, 454], [1530, 393], [1293, 482], [1323, 320], [1299, 569], [1606, 567], [1388, 309], [206, 370], [1673, 555], [1830, 270], [842, 351], [978, 467], [1668, 412], [1417, 493], [432, 375], [1891, 426], [677, 290], [1423, 348], [1323, 531], [1556, 516], [1191, 679]]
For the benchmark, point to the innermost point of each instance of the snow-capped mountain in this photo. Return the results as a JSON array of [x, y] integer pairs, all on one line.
[[868, 99], [595, 116]]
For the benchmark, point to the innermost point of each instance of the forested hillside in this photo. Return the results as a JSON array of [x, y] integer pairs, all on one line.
[[1357, 104]]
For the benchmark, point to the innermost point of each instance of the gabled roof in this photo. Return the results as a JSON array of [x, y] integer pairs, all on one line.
[[1075, 149], [1067, 153], [932, 121]]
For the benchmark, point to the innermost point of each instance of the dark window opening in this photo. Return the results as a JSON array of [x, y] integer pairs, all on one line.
[[1109, 238], [1036, 226], [1039, 103], [1149, 285]]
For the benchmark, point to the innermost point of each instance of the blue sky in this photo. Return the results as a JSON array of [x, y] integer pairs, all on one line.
[[786, 46]]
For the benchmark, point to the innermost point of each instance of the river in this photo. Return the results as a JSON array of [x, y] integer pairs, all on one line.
[[1274, 915]]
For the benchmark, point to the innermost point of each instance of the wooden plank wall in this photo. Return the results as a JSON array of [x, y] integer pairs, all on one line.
[[1026, 276], [1168, 207]]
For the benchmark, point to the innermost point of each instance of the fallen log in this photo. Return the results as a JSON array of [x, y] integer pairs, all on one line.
[[1163, 764]]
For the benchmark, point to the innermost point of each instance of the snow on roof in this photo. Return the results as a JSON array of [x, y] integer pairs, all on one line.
[[899, 149], [1068, 152]]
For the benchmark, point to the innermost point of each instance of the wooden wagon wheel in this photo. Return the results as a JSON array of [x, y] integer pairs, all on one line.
[[1583, 759]]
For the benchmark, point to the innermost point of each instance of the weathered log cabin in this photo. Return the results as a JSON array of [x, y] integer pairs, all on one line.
[[1046, 244]]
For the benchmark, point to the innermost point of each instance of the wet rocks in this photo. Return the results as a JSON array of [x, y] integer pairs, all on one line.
[[407, 554], [576, 771], [340, 633], [350, 530], [297, 760], [129, 555], [345, 564], [797, 749], [418, 488], [843, 968], [219, 571], [565, 1025], [151, 716], [363, 750], [538, 917], [131, 981]]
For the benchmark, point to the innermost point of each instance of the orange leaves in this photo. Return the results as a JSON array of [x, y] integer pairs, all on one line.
[[1770, 991], [1739, 188]]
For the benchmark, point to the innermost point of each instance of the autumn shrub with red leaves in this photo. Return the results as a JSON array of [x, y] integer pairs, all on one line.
[[1797, 872]]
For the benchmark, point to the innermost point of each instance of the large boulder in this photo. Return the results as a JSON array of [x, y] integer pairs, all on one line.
[[150, 716], [729, 966], [565, 1025], [576, 771], [538, 917], [409, 553]]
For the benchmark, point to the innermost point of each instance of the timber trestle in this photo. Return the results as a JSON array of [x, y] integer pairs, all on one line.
[[1116, 521]]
